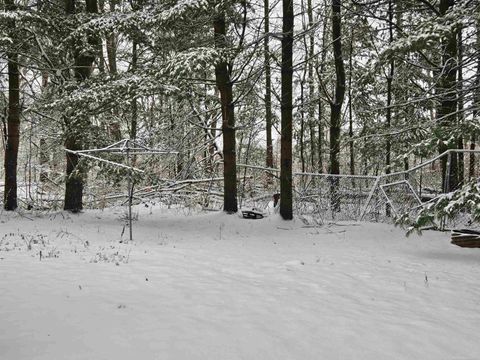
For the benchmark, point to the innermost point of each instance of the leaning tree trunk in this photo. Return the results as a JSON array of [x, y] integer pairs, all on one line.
[[337, 101], [75, 129], [225, 87], [286, 193], [13, 125]]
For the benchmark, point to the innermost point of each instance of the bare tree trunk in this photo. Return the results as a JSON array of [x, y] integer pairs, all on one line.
[[473, 136], [114, 126], [112, 45], [75, 129], [301, 136], [350, 108], [337, 101], [391, 72], [101, 58], [43, 160], [448, 103], [311, 85], [268, 87], [320, 68], [133, 126], [13, 124], [225, 87], [460, 108], [286, 193], [43, 155]]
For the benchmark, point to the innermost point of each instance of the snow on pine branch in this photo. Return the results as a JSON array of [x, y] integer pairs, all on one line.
[[429, 33], [104, 92], [21, 16], [465, 200], [190, 62], [153, 15], [97, 93]]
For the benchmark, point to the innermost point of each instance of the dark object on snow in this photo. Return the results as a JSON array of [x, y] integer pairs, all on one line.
[[466, 238], [252, 214], [276, 198]]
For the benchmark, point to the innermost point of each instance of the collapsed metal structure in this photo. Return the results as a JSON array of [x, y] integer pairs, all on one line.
[[129, 149]]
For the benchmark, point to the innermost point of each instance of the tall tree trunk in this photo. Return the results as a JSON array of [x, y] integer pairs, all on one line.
[[75, 129], [350, 108], [476, 111], [301, 135], [225, 87], [101, 58], [337, 101], [112, 45], [133, 125], [320, 69], [268, 87], [390, 74], [286, 192], [460, 107], [43, 155], [13, 124], [311, 85], [448, 103], [114, 126], [388, 116]]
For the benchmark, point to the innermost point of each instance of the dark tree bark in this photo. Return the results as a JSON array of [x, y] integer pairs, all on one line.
[[101, 58], [225, 87], [301, 135], [448, 103], [286, 193], [74, 129], [460, 107], [133, 126], [320, 68], [350, 108], [114, 127], [337, 100], [13, 124], [43, 154], [268, 87], [112, 45], [311, 85], [473, 136], [390, 74]]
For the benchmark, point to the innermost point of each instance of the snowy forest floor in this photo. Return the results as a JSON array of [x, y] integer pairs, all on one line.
[[215, 286]]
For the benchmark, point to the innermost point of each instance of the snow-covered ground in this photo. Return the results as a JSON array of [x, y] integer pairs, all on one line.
[[214, 286]]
